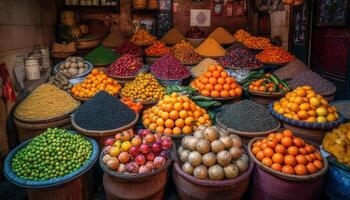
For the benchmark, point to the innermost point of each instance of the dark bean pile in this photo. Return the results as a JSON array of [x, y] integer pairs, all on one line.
[[169, 68], [320, 85], [239, 59], [291, 70], [247, 116], [103, 112], [236, 45]]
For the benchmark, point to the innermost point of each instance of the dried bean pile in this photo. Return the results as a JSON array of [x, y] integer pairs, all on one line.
[[169, 68], [103, 112], [127, 65], [292, 69], [46, 102], [129, 48], [236, 45], [239, 59], [320, 85], [247, 116]]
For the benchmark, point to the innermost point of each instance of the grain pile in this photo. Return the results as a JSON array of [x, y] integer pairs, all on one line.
[[210, 48], [292, 69], [203, 66], [222, 36], [46, 102]]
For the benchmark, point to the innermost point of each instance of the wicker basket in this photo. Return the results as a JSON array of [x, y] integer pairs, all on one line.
[[87, 44]]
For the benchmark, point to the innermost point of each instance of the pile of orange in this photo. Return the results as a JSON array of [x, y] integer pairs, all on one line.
[[241, 35], [216, 82], [287, 153], [275, 55], [257, 42], [142, 37], [304, 104], [157, 49], [96, 81], [175, 114]]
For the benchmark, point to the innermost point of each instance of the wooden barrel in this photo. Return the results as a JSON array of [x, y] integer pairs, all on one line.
[[265, 186], [28, 130], [190, 188], [76, 189], [151, 188]]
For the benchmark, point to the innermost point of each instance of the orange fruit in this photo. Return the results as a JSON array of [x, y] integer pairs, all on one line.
[[278, 158], [311, 168], [239, 91], [298, 142], [180, 123], [221, 81], [178, 106], [146, 121], [287, 133], [286, 142], [215, 94], [224, 93], [174, 114], [309, 148], [212, 68], [227, 86], [300, 169], [165, 115], [223, 74], [260, 155], [189, 121], [268, 152], [213, 81], [204, 80], [183, 114], [218, 87], [187, 129], [272, 143], [216, 74], [290, 160], [160, 122], [302, 151], [205, 93], [229, 80], [288, 169], [153, 126], [293, 150], [267, 161], [255, 150], [209, 87], [219, 68], [207, 74], [233, 93], [279, 137], [168, 131], [169, 123], [318, 164], [300, 159], [160, 129], [186, 106], [276, 166], [176, 131]]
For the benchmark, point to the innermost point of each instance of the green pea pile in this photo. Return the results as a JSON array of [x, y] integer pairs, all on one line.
[[52, 154]]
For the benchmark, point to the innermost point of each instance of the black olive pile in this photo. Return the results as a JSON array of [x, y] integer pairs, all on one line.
[[52, 154], [103, 112]]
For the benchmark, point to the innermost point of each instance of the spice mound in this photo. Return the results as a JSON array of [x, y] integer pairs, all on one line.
[[103, 112], [320, 85], [203, 66], [55, 147], [222, 36], [46, 102], [169, 68], [210, 48], [240, 59], [144, 87], [292, 69], [247, 116], [142, 38], [275, 55], [101, 55], [127, 65], [129, 48], [173, 36], [157, 49]]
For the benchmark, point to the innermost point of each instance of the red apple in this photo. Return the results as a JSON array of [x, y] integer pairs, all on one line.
[[109, 141], [156, 147], [134, 150], [118, 136], [166, 143], [132, 167], [158, 137], [150, 165], [106, 150], [165, 137], [144, 169], [136, 141], [150, 156], [159, 161], [124, 157], [149, 138], [144, 132], [144, 148], [140, 159]]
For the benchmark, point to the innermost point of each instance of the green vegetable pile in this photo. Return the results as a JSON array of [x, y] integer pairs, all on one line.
[[52, 154]]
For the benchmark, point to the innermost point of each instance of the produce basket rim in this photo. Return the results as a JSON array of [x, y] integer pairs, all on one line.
[[51, 119], [266, 94], [276, 63], [290, 177], [34, 184], [94, 133], [145, 102], [245, 133], [132, 177], [214, 183], [79, 76], [315, 125]]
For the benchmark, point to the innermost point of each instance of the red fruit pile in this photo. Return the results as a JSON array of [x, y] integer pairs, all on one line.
[[129, 48], [141, 153], [169, 67], [127, 65]]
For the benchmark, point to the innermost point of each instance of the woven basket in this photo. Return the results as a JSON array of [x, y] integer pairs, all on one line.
[[87, 44], [62, 55], [264, 98], [290, 177], [13, 178]]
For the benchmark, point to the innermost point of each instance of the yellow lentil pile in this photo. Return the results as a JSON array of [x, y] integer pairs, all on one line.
[[203, 66], [210, 48], [145, 87], [222, 36], [46, 102]]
